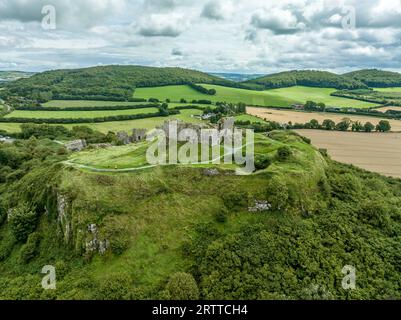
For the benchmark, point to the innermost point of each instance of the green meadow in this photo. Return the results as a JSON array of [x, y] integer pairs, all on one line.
[[392, 89], [284, 97], [86, 103], [76, 114], [104, 127]]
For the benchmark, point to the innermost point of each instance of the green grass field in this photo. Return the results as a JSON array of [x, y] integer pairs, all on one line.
[[150, 123], [247, 117], [231, 95], [76, 114], [392, 89], [303, 94], [86, 103], [276, 98]]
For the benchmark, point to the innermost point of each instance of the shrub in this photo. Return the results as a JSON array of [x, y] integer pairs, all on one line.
[[235, 200], [284, 153], [115, 287], [262, 162], [221, 216], [23, 221], [28, 251], [182, 286]]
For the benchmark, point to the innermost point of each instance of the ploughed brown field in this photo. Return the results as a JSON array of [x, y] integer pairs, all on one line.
[[377, 152], [384, 109], [284, 116]]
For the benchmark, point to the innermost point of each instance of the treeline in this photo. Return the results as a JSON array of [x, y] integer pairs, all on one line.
[[161, 113], [201, 89], [100, 108], [382, 98], [320, 79], [376, 78], [328, 124]]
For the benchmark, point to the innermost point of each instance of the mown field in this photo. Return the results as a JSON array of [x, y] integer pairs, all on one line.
[[104, 127], [284, 97], [377, 152], [391, 89], [231, 95], [76, 114]]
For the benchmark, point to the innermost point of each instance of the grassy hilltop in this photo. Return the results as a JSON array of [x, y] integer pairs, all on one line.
[[177, 232]]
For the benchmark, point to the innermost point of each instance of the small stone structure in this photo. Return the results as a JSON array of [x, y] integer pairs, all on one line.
[[76, 145], [260, 206], [137, 136]]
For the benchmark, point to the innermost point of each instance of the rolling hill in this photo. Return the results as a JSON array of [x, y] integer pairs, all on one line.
[[6, 76], [107, 82], [376, 78], [309, 78]]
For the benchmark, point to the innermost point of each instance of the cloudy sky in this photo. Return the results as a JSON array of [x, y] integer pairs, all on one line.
[[247, 36]]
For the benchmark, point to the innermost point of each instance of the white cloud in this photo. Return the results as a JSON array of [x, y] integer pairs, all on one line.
[[255, 36]]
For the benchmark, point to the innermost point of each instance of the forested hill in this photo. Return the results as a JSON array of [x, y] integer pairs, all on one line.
[[307, 78], [376, 78], [106, 81]]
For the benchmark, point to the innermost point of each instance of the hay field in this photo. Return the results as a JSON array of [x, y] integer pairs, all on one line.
[[284, 116], [377, 152]]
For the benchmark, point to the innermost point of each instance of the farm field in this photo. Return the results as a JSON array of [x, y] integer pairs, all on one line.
[[384, 109], [284, 116], [76, 114], [377, 152], [276, 98], [86, 103], [391, 89], [104, 127], [230, 95], [247, 117], [302, 94]]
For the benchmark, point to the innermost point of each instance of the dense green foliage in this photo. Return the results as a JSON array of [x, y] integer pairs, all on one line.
[[103, 83], [308, 78], [376, 78]]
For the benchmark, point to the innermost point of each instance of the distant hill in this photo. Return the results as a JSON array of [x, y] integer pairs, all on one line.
[[376, 78], [6, 76], [108, 82], [237, 77], [308, 78]]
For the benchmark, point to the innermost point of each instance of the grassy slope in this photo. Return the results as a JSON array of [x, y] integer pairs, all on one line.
[[303, 94], [160, 211], [233, 95], [277, 97]]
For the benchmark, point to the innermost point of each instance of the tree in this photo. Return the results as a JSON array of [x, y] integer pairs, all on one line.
[[368, 127], [357, 126], [321, 106], [343, 125], [329, 124], [23, 221], [310, 106], [182, 286], [383, 126], [314, 124]]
